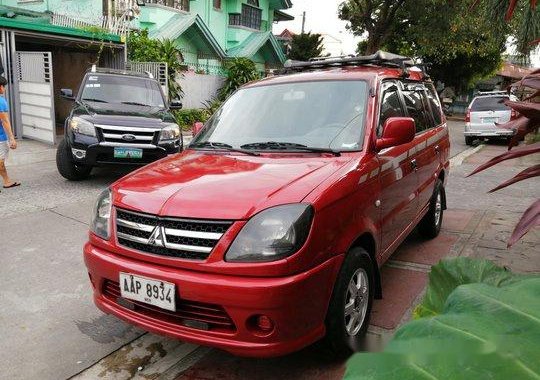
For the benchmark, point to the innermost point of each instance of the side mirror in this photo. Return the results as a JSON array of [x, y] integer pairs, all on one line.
[[175, 105], [67, 93], [396, 131], [197, 128]]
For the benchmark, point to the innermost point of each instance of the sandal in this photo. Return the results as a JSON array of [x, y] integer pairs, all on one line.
[[14, 184]]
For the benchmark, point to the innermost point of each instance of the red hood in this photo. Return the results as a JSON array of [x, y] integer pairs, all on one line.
[[222, 186]]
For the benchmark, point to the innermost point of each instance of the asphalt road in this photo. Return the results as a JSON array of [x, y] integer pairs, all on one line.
[[49, 327]]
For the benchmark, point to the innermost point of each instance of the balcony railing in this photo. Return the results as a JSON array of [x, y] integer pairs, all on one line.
[[182, 5], [109, 24]]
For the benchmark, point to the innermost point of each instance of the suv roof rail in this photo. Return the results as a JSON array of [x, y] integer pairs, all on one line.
[[106, 70], [380, 58], [484, 93]]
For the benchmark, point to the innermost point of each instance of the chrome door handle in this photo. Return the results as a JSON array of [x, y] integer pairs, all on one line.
[[437, 150], [414, 165]]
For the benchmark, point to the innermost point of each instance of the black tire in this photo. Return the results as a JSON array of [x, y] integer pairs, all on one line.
[[66, 165], [469, 140], [338, 339], [430, 225]]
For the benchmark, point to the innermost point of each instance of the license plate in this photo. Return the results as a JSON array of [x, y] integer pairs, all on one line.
[[128, 153], [153, 292], [490, 120]]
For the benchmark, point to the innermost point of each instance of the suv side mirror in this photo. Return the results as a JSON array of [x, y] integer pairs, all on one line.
[[197, 128], [396, 131], [67, 93], [175, 105]]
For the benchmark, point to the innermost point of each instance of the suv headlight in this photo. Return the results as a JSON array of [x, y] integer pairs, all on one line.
[[170, 133], [272, 234], [81, 126], [102, 214]]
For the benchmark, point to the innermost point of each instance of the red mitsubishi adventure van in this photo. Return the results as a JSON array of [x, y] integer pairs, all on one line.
[[267, 233]]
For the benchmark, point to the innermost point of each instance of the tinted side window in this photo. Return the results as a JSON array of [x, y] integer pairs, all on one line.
[[417, 107], [390, 104], [435, 104]]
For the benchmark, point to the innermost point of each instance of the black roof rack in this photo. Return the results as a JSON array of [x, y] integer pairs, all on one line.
[[380, 58]]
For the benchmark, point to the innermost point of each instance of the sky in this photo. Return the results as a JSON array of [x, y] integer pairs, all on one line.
[[321, 18]]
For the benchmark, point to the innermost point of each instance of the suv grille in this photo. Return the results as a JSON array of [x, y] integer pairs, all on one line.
[[207, 316], [179, 238], [118, 135]]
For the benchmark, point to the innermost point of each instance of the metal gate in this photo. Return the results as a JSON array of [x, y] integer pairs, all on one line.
[[36, 95], [157, 69]]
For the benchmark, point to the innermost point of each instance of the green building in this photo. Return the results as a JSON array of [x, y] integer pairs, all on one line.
[[209, 31]]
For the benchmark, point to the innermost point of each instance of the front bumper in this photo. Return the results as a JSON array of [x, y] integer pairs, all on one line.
[[296, 304], [99, 154]]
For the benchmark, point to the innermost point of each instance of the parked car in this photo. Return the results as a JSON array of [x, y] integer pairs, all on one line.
[[118, 117], [485, 111], [267, 233]]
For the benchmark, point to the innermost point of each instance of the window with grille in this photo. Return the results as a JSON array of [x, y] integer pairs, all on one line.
[[177, 4], [251, 17], [255, 3]]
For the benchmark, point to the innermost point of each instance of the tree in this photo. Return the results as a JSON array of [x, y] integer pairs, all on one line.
[[460, 44], [305, 46], [522, 16], [239, 72], [380, 19]]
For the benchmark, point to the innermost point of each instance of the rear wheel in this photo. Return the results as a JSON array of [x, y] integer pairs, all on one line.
[[349, 311], [469, 140], [67, 166], [430, 225]]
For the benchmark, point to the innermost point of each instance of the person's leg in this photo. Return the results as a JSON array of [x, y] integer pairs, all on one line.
[[4, 174]]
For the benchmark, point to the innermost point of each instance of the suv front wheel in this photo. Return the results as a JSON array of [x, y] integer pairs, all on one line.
[[67, 166], [349, 311]]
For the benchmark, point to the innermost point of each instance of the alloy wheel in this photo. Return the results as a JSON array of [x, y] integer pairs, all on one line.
[[356, 302]]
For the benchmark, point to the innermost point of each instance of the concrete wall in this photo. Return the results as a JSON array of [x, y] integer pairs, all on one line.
[[199, 89]]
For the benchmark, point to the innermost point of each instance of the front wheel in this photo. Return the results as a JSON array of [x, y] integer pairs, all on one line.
[[469, 140], [66, 165], [349, 311], [430, 225]]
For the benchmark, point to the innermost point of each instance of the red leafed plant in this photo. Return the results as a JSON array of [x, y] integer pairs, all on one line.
[[527, 122]]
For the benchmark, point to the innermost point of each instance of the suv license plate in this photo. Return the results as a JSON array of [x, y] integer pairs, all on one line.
[[490, 119], [152, 292], [128, 153]]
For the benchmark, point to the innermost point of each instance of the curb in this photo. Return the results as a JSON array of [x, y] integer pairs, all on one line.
[[458, 159]]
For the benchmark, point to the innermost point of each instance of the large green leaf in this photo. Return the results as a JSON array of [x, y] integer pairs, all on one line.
[[447, 275], [488, 330]]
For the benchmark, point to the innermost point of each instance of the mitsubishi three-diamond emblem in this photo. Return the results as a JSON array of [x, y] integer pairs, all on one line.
[[158, 237]]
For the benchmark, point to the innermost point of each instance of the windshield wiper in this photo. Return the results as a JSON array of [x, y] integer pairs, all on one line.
[[222, 146], [94, 100], [136, 104], [273, 145]]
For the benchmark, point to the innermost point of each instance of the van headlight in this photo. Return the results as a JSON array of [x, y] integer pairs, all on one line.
[[102, 214], [272, 234], [170, 133], [82, 126]]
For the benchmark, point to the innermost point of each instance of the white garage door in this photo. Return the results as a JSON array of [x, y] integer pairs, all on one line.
[[36, 97]]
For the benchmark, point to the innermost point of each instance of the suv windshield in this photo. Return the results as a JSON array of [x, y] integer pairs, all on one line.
[[490, 103], [324, 114], [122, 90]]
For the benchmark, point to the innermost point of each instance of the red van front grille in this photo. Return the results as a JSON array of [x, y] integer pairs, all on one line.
[[188, 313]]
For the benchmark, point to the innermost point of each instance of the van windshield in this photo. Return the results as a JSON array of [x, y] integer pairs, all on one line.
[[490, 103], [324, 114], [122, 90]]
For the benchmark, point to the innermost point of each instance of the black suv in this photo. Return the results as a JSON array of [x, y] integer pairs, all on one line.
[[119, 117]]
